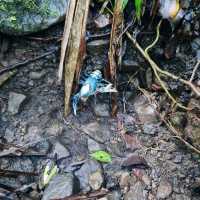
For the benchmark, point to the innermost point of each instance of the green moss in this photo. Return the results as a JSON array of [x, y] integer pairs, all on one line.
[[14, 10]]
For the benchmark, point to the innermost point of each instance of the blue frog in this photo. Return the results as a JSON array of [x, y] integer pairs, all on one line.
[[91, 86]]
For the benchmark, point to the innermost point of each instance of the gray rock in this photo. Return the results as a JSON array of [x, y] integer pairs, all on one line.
[[29, 20], [94, 146], [96, 180], [36, 75], [195, 44], [182, 197], [61, 151], [145, 111], [96, 47], [85, 172], [55, 129], [98, 131], [14, 102], [151, 129], [136, 192], [102, 21], [115, 195], [61, 186], [101, 110], [9, 135], [129, 66], [164, 189], [178, 159]]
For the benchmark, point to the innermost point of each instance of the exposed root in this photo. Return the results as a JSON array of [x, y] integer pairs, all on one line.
[[158, 70], [173, 130]]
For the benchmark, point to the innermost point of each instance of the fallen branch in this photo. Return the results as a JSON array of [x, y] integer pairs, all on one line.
[[157, 69], [21, 64]]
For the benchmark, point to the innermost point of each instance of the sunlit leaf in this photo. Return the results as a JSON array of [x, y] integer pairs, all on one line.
[[101, 156], [124, 4], [138, 8]]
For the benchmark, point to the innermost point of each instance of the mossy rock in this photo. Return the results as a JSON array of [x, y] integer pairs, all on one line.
[[21, 17]]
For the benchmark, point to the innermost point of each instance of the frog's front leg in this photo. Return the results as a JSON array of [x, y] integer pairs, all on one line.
[[75, 101]]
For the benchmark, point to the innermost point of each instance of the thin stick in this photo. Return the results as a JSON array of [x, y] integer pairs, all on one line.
[[174, 131], [21, 64], [194, 70], [157, 69]]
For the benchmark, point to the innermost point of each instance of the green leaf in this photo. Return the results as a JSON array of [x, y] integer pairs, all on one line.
[[101, 156], [138, 8], [124, 4]]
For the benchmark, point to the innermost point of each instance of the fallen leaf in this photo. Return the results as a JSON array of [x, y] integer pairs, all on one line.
[[134, 161], [101, 156]]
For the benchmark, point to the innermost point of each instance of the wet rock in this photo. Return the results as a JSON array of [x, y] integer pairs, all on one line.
[[124, 179], [85, 172], [101, 110], [136, 192], [36, 75], [195, 44], [29, 19], [61, 186], [14, 102], [7, 195], [151, 129], [182, 197], [9, 135], [102, 21], [145, 111], [115, 195], [129, 66], [94, 146], [98, 131], [164, 189], [96, 180], [61, 151], [178, 159], [55, 129], [96, 47], [178, 119], [192, 129]]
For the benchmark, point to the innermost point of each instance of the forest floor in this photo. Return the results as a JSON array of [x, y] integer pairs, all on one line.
[[31, 116]]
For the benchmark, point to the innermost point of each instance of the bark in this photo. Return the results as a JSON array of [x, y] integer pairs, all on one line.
[[75, 50], [114, 47]]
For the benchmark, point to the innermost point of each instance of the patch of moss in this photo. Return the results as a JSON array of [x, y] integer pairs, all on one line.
[[13, 10]]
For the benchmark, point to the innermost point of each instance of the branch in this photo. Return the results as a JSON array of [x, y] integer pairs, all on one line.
[[157, 70]]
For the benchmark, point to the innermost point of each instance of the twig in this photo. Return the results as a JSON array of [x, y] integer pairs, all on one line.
[[194, 70], [176, 133], [157, 70], [21, 64]]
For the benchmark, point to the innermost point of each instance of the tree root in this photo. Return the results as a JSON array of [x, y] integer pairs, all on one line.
[[158, 70], [176, 134]]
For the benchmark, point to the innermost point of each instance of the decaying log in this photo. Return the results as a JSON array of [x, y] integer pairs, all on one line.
[[75, 48], [116, 31]]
